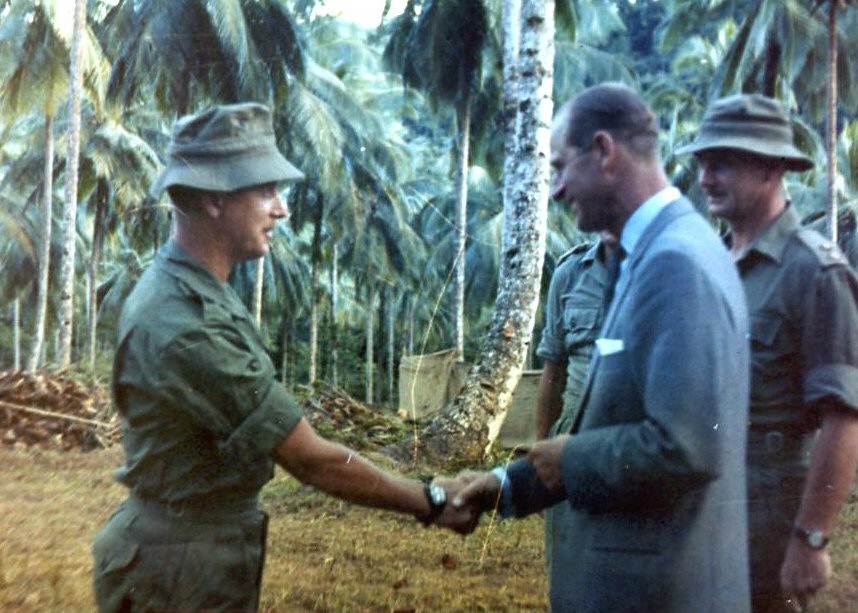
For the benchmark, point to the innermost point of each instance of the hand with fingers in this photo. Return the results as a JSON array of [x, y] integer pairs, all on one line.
[[546, 457], [804, 572]]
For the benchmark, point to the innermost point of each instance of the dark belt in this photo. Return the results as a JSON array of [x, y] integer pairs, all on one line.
[[211, 510], [776, 443]]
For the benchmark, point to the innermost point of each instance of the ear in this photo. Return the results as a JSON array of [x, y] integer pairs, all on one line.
[[212, 204], [606, 148]]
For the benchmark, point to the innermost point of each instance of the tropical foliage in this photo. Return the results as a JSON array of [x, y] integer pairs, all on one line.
[[396, 239]]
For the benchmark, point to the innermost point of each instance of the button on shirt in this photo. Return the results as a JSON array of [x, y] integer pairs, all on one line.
[[802, 299], [200, 406]]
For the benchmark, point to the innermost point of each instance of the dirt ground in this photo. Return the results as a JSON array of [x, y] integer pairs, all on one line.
[[323, 555]]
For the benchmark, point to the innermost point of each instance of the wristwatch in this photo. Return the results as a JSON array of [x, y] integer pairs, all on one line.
[[437, 497], [815, 539]]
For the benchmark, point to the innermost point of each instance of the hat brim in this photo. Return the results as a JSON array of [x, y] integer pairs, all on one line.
[[793, 158], [227, 174]]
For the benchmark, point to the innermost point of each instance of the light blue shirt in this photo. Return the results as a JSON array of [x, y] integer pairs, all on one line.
[[635, 226], [640, 220]]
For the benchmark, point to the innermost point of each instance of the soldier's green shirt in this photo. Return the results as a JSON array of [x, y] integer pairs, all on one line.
[[802, 298], [200, 406], [573, 318]]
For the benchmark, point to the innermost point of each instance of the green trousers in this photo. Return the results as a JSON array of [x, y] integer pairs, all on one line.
[[150, 558]]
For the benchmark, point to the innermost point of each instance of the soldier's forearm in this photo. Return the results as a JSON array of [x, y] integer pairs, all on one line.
[[832, 470]]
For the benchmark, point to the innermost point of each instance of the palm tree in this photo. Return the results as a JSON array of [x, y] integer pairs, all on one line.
[[34, 71], [189, 52], [441, 53], [67, 267], [477, 413], [117, 168]]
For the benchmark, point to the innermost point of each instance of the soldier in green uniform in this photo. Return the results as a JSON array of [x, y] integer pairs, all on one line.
[[203, 415], [574, 311], [803, 305]]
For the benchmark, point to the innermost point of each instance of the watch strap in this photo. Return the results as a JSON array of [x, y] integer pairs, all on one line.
[[815, 539], [435, 509]]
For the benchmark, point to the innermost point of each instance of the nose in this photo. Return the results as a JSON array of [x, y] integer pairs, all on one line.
[[556, 187], [279, 209], [705, 175]]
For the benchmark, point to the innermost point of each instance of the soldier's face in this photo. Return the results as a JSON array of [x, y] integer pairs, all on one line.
[[736, 184], [249, 217]]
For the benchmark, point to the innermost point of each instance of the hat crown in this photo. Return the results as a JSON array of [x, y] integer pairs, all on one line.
[[225, 128], [748, 108], [752, 123]]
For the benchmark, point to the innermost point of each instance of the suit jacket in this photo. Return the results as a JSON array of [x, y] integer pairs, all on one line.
[[655, 468]]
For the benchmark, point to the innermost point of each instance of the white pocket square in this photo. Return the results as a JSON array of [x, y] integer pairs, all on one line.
[[607, 346]]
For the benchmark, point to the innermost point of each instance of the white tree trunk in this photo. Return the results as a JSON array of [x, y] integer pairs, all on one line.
[[67, 268], [315, 296], [16, 334], [464, 139], [466, 427], [258, 286], [101, 197], [37, 348], [391, 347], [831, 127], [368, 377], [334, 304], [284, 367]]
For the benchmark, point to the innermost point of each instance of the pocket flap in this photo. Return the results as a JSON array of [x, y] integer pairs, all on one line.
[[764, 329]]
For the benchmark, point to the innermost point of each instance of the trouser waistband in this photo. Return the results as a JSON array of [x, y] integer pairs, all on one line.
[[210, 510], [777, 443]]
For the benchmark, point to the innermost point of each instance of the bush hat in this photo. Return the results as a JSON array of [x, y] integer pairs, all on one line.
[[752, 123], [225, 148]]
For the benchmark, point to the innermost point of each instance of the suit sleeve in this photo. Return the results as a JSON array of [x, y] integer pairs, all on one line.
[[686, 364], [529, 495]]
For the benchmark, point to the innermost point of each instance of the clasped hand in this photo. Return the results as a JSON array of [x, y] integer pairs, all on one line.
[[470, 493]]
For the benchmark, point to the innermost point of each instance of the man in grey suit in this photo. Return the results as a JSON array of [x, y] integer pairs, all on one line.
[[652, 466]]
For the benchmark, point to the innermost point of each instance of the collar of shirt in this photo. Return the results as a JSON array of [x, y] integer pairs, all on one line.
[[182, 265], [772, 241], [640, 220]]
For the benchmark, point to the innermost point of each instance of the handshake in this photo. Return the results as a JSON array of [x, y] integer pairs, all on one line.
[[471, 493]]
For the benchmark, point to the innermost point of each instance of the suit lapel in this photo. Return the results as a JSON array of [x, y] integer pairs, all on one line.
[[669, 213]]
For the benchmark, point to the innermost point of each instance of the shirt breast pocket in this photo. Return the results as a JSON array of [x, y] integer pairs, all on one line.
[[765, 329], [581, 323]]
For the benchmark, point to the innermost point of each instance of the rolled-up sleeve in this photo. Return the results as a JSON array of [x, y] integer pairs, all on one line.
[[551, 345], [830, 339]]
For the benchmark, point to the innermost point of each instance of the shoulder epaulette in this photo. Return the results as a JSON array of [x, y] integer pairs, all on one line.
[[576, 250], [825, 250]]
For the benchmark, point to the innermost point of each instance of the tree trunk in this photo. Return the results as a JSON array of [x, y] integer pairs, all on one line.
[[67, 268], [333, 319], [284, 364], [101, 197], [258, 286], [391, 348], [772, 65], [379, 349], [16, 334], [464, 139], [466, 428], [368, 375], [37, 348], [831, 127], [316, 294]]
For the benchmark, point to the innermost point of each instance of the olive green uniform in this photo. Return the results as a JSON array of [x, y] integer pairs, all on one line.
[[201, 413], [802, 299], [573, 318]]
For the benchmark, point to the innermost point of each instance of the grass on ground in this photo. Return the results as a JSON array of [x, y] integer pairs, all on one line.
[[323, 555]]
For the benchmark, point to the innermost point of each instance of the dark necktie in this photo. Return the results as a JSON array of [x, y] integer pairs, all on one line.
[[613, 275]]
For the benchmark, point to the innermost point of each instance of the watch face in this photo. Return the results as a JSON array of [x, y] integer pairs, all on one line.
[[815, 539], [438, 495]]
